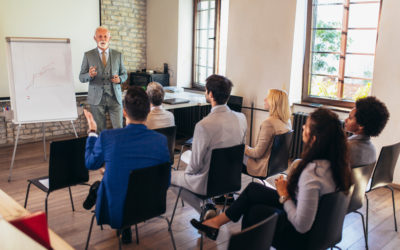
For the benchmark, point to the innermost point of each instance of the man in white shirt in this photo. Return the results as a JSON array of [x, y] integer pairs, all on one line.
[[158, 116], [220, 129]]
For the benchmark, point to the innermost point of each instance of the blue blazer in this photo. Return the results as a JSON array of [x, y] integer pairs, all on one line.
[[122, 150]]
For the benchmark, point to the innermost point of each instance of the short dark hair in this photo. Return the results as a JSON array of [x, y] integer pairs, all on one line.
[[372, 114], [221, 88], [156, 93], [136, 103]]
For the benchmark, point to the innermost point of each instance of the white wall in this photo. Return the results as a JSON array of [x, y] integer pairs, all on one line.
[[259, 49], [386, 83], [162, 35]]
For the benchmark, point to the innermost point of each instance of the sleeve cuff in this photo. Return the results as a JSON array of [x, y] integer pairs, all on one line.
[[92, 134]]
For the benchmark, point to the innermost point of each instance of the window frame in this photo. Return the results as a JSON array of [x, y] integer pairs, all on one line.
[[342, 61], [217, 21]]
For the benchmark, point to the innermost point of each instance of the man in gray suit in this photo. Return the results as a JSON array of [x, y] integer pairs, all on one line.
[[367, 119], [104, 69], [219, 129]]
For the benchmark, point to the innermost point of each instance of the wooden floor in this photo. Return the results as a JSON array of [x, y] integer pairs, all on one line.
[[73, 226]]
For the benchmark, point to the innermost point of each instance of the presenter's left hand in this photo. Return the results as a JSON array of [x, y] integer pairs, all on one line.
[[281, 186], [90, 120], [115, 79]]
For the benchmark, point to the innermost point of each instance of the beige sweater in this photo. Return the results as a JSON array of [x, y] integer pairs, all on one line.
[[257, 164]]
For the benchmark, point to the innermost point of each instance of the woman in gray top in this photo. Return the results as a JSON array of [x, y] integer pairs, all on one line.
[[323, 169]]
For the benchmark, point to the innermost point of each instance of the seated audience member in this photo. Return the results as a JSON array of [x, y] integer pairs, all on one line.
[[121, 150], [367, 119], [158, 117], [277, 123], [220, 129], [323, 169]]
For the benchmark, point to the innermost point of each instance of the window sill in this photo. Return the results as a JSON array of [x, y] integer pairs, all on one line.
[[317, 105]]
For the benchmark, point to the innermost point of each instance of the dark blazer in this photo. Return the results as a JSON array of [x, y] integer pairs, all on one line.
[[115, 66], [122, 150]]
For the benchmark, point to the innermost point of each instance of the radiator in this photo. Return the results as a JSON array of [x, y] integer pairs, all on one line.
[[186, 119], [299, 119]]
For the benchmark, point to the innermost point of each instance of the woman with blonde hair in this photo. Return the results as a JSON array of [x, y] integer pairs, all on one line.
[[278, 122]]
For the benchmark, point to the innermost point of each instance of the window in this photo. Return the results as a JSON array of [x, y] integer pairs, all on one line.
[[205, 40], [340, 53]]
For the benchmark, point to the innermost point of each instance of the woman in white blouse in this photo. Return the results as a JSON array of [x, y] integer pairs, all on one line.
[[323, 169], [256, 159]]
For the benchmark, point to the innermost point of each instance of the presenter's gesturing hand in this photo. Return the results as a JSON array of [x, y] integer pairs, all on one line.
[[90, 120], [92, 71], [115, 79]]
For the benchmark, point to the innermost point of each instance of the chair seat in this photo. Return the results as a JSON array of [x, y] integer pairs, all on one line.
[[39, 184]]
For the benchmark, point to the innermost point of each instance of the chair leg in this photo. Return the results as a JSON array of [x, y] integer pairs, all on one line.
[[366, 218], [173, 212], [394, 208], [72, 202], [101, 227], [137, 234], [119, 242], [179, 159], [27, 194], [45, 207], [226, 198], [170, 232], [364, 229], [90, 232], [183, 204]]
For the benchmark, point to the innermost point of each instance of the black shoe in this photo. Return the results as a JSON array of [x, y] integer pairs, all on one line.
[[221, 200], [92, 196], [126, 236], [210, 232]]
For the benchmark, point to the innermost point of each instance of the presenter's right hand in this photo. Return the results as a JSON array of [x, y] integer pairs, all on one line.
[[90, 120], [92, 71]]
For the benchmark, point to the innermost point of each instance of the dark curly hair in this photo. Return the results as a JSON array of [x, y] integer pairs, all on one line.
[[372, 115], [136, 103], [221, 88], [329, 144]]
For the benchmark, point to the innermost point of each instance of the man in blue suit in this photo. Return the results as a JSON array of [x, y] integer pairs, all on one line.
[[122, 150]]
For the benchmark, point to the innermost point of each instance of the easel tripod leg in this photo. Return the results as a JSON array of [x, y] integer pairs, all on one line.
[[15, 150]]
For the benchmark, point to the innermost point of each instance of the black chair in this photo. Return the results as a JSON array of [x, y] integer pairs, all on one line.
[[145, 198], [170, 133], [278, 160], [256, 237], [326, 231], [361, 175], [224, 176], [66, 168], [234, 103], [383, 175]]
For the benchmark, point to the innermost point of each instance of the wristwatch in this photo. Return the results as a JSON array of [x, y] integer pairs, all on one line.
[[282, 199]]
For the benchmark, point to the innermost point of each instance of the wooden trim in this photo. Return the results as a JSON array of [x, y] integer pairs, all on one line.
[[306, 64], [343, 46], [332, 102], [217, 23], [194, 42]]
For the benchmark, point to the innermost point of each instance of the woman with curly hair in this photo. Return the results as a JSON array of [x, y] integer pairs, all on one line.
[[323, 169]]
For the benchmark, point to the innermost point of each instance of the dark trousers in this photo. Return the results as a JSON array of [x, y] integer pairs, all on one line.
[[257, 203]]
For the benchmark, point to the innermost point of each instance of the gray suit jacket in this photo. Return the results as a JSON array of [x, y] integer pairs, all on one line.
[[221, 128], [361, 150], [116, 64]]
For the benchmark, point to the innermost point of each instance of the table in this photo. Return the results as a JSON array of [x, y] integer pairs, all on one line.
[[10, 209]]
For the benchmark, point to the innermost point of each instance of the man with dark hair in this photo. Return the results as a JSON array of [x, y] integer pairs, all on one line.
[[158, 116], [220, 129], [367, 119], [121, 150]]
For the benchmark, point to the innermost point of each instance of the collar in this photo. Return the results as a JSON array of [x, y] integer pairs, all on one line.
[[360, 137], [219, 108], [137, 126], [100, 51], [156, 107]]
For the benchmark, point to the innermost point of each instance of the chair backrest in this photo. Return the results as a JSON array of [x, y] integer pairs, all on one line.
[[256, 237], [235, 103], [384, 169], [170, 133], [147, 193], [278, 160], [326, 231], [225, 174], [67, 163], [361, 175]]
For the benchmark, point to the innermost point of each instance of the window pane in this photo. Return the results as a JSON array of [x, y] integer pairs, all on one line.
[[209, 71], [362, 41], [323, 63], [327, 1], [327, 16], [211, 38], [203, 39], [363, 15], [323, 87], [212, 19], [203, 15], [202, 57], [327, 40], [202, 75], [354, 89], [355, 1], [210, 58], [203, 4], [212, 4], [359, 66]]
